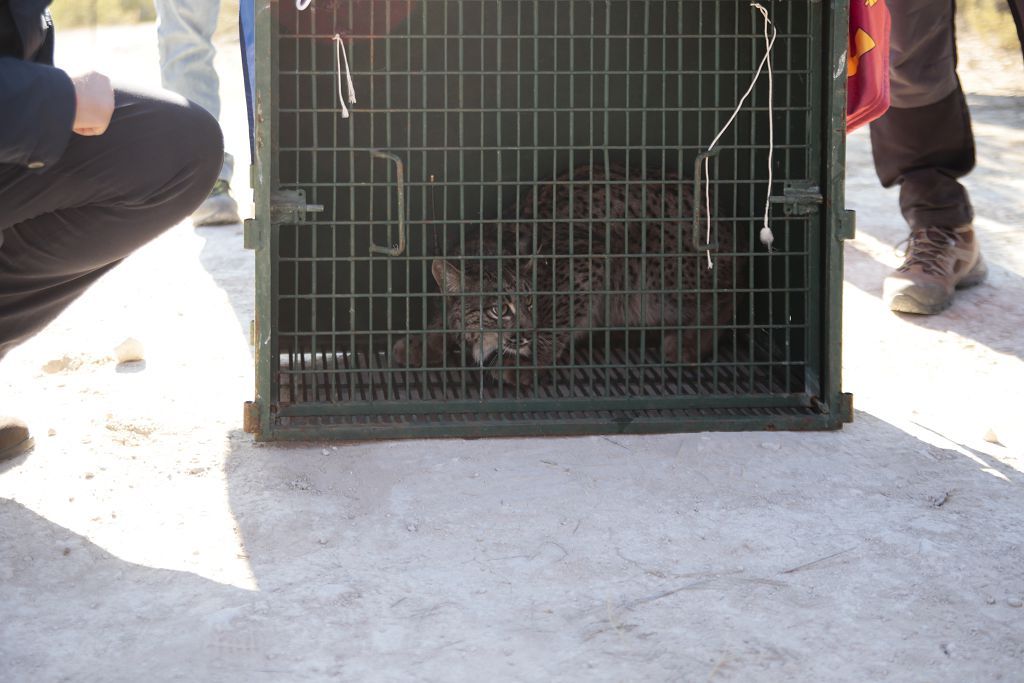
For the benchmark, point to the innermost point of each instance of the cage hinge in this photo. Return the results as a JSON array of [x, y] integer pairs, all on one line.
[[251, 417], [289, 206], [252, 333], [251, 233], [846, 407], [847, 225], [799, 198]]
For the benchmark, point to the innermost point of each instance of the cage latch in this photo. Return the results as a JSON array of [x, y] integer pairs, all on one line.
[[846, 407], [799, 198], [847, 229], [251, 417], [290, 207], [252, 236]]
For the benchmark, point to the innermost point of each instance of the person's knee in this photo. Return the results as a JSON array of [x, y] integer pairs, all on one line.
[[171, 152], [191, 154], [204, 149]]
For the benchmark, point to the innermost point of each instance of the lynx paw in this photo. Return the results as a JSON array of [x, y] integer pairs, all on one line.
[[523, 378], [407, 353], [672, 353]]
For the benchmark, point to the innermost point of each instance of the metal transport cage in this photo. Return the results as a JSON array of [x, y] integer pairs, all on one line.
[[512, 217]]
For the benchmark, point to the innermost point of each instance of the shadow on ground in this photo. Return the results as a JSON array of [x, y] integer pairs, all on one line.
[[866, 552]]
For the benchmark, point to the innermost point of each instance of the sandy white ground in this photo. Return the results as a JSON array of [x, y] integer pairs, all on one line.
[[148, 538]]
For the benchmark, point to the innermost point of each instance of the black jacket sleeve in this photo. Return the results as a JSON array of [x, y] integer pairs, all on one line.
[[37, 110], [37, 101]]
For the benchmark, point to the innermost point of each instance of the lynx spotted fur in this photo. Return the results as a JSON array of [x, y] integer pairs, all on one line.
[[591, 250]]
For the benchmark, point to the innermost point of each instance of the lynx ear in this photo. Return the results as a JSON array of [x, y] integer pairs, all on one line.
[[447, 276]]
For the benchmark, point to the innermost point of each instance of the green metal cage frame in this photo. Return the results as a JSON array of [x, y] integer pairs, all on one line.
[[819, 405]]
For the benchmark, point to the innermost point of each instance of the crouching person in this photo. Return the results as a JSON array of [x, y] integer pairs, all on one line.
[[88, 174]]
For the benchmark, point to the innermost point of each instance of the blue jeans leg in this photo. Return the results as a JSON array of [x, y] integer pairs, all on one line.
[[185, 36]]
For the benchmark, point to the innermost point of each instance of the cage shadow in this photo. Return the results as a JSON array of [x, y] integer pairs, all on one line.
[[428, 556], [417, 528]]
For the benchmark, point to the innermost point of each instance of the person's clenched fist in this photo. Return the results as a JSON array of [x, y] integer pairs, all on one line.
[[94, 103]]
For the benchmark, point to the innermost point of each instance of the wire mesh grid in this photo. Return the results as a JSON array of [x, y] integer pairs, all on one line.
[[509, 217]]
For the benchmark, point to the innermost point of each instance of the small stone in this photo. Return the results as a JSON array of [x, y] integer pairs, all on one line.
[[771, 445], [51, 432], [60, 364], [324, 452], [1015, 602], [990, 600], [89, 475], [412, 526], [129, 351], [990, 436], [322, 540]]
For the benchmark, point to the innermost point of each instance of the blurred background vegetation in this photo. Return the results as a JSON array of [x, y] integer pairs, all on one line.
[[85, 13], [990, 18], [76, 13]]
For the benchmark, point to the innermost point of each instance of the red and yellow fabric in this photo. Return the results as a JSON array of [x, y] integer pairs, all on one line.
[[867, 64]]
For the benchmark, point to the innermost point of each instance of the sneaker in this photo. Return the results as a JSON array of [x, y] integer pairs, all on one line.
[[14, 438], [219, 208], [938, 262]]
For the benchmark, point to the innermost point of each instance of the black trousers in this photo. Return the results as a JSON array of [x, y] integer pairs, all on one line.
[[924, 142], [62, 229]]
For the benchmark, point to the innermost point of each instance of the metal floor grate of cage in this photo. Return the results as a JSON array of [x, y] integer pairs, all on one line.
[[342, 377]]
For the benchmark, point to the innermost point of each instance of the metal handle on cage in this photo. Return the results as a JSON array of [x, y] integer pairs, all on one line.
[[400, 182], [698, 196]]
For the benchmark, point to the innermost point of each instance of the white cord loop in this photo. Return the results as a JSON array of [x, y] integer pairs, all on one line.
[[766, 232], [302, 4], [339, 55]]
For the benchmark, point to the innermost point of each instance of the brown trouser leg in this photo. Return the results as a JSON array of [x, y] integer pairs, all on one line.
[[924, 142]]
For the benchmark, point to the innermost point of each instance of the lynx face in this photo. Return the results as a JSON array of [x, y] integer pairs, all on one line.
[[492, 321]]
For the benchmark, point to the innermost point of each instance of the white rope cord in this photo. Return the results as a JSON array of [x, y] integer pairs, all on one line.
[[766, 233], [339, 55]]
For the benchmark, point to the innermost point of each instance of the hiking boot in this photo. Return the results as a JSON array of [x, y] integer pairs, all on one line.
[[14, 438], [219, 208], [938, 262]]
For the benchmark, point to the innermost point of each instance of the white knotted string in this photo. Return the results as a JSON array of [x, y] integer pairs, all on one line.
[[766, 232], [339, 55]]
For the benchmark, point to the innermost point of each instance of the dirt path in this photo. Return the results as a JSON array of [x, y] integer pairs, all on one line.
[[148, 539]]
